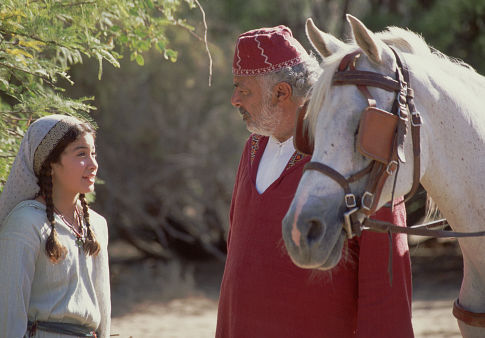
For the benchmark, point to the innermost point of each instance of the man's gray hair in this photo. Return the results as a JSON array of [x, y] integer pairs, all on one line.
[[300, 77]]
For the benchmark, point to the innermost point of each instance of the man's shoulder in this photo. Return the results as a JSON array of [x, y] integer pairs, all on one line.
[[255, 139], [254, 142]]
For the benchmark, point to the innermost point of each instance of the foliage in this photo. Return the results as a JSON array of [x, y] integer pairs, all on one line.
[[40, 40]]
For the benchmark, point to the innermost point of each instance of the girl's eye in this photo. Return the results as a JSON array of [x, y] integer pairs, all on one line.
[[81, 154]]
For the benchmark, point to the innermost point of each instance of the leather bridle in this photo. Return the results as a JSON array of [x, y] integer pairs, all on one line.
[[378, 171]]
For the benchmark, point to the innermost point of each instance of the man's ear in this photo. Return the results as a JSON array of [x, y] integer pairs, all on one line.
[[282, 91]]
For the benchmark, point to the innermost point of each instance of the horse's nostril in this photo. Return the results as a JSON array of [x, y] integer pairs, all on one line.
[[315, 231]]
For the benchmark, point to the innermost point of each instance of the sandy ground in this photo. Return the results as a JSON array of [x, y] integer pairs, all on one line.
[[173, 300]]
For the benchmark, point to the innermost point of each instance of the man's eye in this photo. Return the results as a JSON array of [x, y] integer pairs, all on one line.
[[81, 154]]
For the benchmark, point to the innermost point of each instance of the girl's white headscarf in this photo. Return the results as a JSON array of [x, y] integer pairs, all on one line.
[[40, 139]]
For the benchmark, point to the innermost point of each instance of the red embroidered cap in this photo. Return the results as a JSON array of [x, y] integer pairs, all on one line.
[[266, 50]]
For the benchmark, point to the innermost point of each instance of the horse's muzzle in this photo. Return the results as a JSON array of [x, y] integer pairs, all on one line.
[[310, 242]]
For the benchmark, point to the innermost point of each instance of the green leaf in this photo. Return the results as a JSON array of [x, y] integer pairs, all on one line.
[[149, 4], [140, 60], [100, 69], [3, 84], [171, 55]]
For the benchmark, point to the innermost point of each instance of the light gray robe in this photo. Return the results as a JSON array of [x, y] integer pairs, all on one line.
[[76, 290]]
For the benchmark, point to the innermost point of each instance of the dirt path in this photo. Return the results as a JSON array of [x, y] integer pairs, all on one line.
[[151, 300]]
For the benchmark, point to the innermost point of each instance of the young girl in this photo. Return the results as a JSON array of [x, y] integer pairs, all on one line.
[[54, 277]]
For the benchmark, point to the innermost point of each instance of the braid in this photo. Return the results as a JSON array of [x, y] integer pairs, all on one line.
[[91, 245], [53, 247]]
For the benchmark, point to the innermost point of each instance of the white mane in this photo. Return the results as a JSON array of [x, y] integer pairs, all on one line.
[[407, 42]]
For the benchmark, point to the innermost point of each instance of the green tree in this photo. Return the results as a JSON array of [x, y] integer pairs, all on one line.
[[41, 39]]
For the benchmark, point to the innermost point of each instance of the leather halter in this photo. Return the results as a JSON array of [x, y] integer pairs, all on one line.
[[379, 172]]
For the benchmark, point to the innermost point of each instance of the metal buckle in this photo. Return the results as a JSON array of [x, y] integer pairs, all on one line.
[[348, 222], [404, 116], [416, 120], [367, 196], [350, 201], [391, 167]]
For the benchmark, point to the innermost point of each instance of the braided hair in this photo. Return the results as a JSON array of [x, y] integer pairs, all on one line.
[[53, 247], [91, 245]]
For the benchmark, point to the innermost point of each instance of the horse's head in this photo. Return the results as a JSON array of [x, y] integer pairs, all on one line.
[[313, 227]]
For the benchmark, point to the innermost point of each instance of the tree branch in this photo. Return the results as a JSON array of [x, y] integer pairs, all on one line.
[[47, 42], [205, 41], [28, 72]]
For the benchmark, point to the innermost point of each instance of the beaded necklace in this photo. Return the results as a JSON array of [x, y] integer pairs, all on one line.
[[80, 237]]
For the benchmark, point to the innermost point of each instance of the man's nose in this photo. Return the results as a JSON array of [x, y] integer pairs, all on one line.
[[235, 99]]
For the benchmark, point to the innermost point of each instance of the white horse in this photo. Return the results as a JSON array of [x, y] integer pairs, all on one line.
[[450, 97]]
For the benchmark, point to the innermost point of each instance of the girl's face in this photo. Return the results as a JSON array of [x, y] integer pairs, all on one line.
[[76, 170]]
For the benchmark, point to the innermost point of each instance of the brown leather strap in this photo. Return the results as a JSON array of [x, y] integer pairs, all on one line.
[[358, 175], [415, 124], [371, 102], [348, 59], [332, 173], [415, 132], [361, 77], [368, 199], [421, 230], [468, 317], [301, 139]]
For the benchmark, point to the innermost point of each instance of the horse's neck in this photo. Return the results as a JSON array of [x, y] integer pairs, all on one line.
[[453, 145], [453, 152]]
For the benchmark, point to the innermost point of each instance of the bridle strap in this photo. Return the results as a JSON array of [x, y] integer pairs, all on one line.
[[420, 230], [415, 124], [330, 172], [358, 175], [336, 176], [348, 61], [365, 78]]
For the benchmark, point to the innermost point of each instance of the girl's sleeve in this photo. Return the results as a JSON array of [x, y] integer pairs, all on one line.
[[19, 248], [101, 282]]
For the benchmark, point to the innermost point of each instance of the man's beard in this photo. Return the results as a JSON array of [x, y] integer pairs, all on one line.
[[267, 120]]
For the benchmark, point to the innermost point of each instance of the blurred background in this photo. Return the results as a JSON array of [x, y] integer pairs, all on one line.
[[168, 146]]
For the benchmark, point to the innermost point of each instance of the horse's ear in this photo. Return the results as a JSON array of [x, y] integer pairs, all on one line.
[[367, 41], [325, 44]]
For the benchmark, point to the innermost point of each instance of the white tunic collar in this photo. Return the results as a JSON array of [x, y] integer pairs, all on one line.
[[274, 160]]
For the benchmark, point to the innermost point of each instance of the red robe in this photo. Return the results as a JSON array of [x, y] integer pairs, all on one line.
[[263, 294]]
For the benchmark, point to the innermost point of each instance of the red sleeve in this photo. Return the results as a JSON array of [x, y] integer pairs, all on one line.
[[384, 309]]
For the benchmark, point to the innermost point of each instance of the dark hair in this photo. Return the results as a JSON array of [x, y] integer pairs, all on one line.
[[53, 247]]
